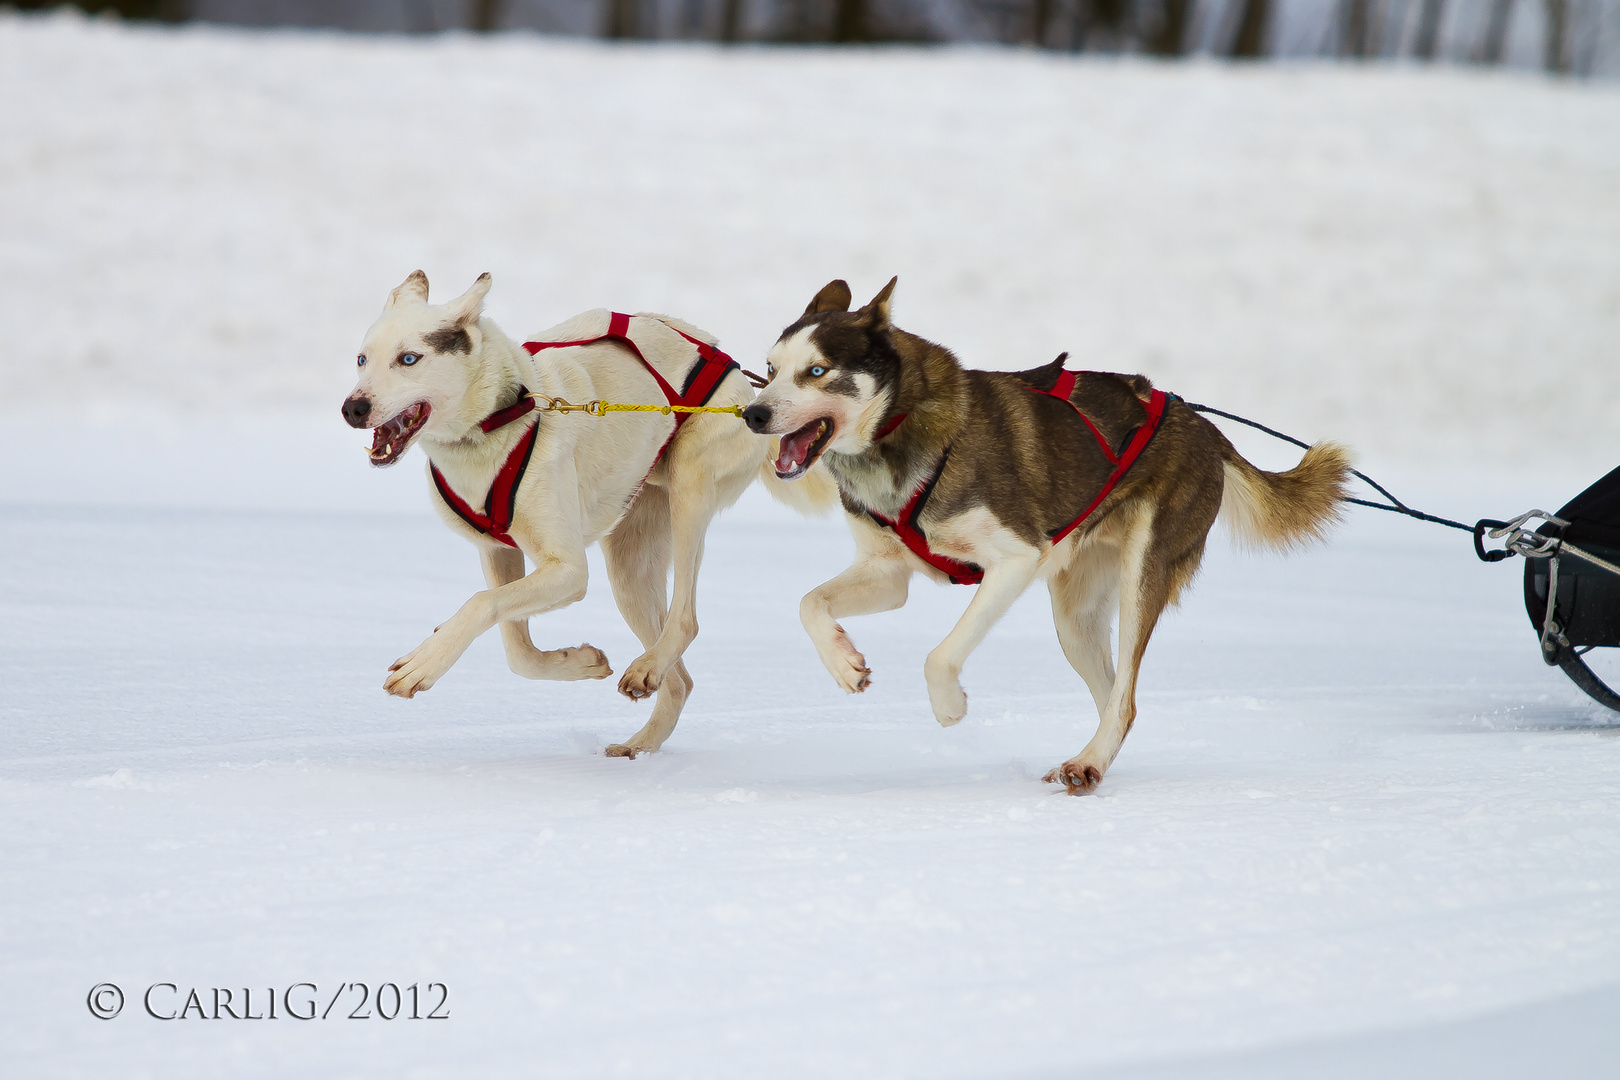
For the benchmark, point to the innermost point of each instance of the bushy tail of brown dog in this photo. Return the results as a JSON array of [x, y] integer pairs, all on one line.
[[1284, 510]]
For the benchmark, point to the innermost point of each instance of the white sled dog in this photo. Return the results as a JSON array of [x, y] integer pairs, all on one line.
[[520, 481]]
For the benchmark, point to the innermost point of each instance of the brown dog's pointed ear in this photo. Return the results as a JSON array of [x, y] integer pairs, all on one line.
[[834, 296], [877, 312], [469, 305], [413, 290]]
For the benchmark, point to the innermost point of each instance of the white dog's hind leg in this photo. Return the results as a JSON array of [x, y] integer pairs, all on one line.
[[707, 471], [878, 581], [1004, 582], [502, 566], [637, 554]]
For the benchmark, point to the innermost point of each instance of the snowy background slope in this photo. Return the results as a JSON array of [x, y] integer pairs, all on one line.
[[1416, 261], [1359, 829]]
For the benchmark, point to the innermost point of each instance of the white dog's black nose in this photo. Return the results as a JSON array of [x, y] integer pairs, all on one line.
[[355, 411], [757, 417]]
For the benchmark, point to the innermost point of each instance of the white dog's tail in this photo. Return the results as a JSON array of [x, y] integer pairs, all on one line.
[[814, 494]]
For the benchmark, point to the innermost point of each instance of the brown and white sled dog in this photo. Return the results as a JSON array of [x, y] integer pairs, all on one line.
[[438, 375], [977, 468]]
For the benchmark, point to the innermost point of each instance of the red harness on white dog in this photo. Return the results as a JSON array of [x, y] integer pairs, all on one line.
[[961, 573], [501, 502]]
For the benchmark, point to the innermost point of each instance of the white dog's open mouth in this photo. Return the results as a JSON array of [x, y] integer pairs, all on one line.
[[800, 449], [391, 438]]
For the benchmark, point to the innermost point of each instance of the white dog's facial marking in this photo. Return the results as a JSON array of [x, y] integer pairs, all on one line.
[[424, 376], [449, 339]]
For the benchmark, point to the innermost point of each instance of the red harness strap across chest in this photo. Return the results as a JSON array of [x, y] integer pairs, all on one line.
[[961, 573], [500, 505]]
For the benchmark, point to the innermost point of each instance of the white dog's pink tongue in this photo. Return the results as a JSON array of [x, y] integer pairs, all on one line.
[[796, 447]]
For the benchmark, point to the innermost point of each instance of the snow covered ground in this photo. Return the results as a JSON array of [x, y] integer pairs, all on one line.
[[1359, 828]]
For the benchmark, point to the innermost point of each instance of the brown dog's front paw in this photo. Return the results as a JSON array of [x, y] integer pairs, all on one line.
[[846, 665], [1079, 777], [619, 750]]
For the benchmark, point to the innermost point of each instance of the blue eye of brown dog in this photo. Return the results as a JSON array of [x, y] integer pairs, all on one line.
[[409, 358], [817, 371], [360, 361]]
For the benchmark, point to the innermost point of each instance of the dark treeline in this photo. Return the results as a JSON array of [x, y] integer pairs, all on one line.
[[1571, 32]]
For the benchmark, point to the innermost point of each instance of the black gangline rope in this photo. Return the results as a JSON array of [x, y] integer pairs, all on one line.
[[1396, 507]]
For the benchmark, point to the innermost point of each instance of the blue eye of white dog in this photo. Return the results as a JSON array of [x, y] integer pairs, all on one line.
[[409, 358], [360, 361], [817, 372]]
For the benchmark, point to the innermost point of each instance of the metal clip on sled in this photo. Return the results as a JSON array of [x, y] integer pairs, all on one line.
[[1574, 603]]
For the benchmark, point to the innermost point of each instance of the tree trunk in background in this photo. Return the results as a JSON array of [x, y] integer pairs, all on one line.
[[1428, 32], [486, 15], [731, 12], [1355, 30], [1040, 22], [621, 18], [166, 10], [1558, 20], [1495, 42], [1169, 37], [1251, 33], [849, 21], [420, 18], [692, 18]]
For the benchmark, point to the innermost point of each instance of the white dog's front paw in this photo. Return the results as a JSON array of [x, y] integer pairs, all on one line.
[[420, 668], [587, 662], [560, 665], [844, 663], [945, 695]]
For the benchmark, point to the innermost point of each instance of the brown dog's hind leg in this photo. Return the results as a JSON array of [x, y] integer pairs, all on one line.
[[1084, 598], [504, 566], [637, 554], [1145, 585]]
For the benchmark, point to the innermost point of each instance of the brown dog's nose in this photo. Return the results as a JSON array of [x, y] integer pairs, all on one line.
[[355, 411], [757, 417]]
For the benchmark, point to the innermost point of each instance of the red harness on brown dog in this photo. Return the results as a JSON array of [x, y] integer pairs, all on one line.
[[501, 502], [905, 526]]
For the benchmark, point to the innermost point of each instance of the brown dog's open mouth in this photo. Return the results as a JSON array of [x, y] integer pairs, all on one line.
[[393, 437], [800, 449]]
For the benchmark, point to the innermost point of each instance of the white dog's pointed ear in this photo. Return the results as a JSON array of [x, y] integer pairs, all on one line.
[[469, 305], [834, 296], [877, 312], [413, 290]]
